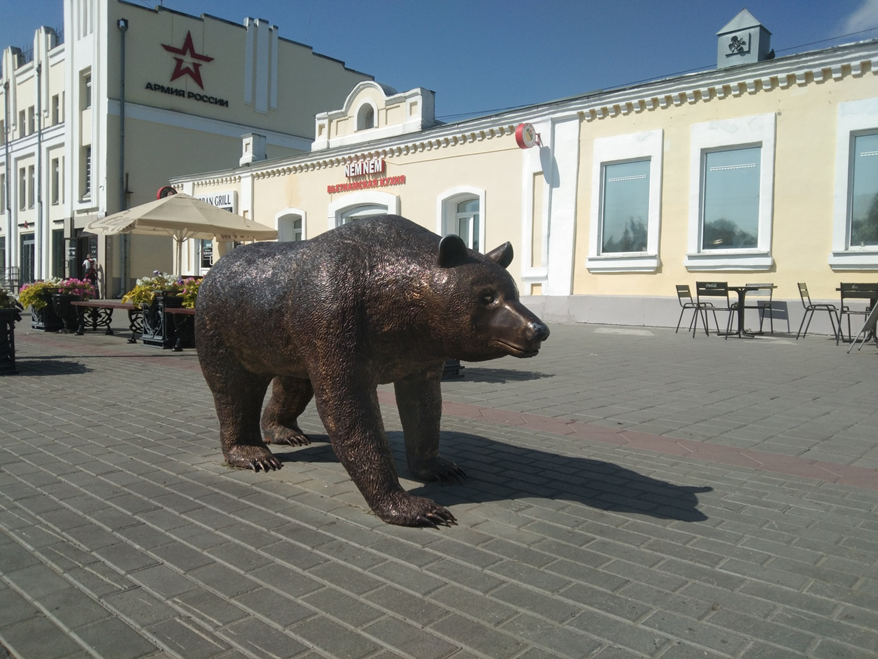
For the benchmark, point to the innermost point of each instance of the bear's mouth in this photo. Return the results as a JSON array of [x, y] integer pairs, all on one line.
[[516, 351]]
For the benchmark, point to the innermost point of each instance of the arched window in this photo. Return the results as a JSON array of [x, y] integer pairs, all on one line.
[[366, 117], [289, 229], [359, 212], [290, 225], [461, 211]]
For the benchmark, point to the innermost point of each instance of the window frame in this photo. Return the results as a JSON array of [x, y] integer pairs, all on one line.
[[296, 213], [632, 147], [447, 215], [855, 118], [740, 132]]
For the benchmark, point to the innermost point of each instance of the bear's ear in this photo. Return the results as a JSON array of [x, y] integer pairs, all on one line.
[[452, 251], [502, 255]]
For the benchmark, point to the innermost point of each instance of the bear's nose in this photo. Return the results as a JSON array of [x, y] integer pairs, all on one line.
[[537, 331]]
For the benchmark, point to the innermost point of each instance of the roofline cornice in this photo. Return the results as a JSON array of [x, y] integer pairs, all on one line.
[[813, 67]]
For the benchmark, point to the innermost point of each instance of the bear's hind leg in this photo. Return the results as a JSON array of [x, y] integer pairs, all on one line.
[[289, 398], [238, 398]]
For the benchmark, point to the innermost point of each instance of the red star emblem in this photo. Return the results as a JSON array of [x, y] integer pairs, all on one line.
[[182, 69]]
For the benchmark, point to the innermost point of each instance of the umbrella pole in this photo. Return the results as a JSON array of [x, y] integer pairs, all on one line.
[[179, 264]]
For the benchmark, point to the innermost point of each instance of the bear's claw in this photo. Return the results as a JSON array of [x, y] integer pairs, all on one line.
[[437, 469], [256, 458], [405, 509]]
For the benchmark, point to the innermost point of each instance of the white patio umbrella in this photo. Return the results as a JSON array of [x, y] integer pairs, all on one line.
[[181, 217]]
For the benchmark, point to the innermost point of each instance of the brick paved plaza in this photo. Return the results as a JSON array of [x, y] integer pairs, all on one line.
[[631, 493]]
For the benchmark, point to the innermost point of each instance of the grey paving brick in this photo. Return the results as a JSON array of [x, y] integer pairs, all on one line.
[[73, 608], [187, 641], [561, 640], [14, 557], [345, 578], [457, 572], [514, 571], [410, 607], [407, 577], [624, 605], [472, 635], [628, 635], [290, 582], [334, 639], [824, 628], [14, 608], [480, 607], [210, 609], [125, 558], [829, 649], [539, 603], [703, 635], [140, 606], [163, 580], [38, 637], [763, 630], [465, 553], [37, 580], [113, 638], [259, 639], [410, 640], [274, 607]]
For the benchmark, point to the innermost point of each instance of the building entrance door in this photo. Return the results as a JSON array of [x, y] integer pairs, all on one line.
[[27, 258]]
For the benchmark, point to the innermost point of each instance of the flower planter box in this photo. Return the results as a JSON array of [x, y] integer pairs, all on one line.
[[8, 317], [65, 311], [158, 327], [46, 319]]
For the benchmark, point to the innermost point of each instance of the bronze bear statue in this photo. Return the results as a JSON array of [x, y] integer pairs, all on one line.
[[376, 301]]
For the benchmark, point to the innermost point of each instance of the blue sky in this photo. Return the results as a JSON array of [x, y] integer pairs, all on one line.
[[487, 55]]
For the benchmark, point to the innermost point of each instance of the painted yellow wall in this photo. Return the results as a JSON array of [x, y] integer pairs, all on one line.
[[803, 192]]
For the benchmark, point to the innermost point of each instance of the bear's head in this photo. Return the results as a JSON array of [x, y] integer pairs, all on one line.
[[478, 314]]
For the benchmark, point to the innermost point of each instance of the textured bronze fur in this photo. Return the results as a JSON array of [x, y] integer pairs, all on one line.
[[376, 301]]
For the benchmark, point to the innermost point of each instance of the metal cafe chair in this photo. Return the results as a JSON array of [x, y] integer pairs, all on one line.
[[716, 289], [684, 297], [763, 290], [867, 331], [810, 308], [854, 292]]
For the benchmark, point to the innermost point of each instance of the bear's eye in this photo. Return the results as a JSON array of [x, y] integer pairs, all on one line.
[[489, 298]]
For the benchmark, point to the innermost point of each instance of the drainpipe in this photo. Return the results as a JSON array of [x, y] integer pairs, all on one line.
[[39, 228], [122, 24], [6, 153]]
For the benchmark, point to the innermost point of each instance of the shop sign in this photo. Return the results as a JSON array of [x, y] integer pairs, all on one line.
[[225, 200], [366, 184], [191, 69], [363, 167]]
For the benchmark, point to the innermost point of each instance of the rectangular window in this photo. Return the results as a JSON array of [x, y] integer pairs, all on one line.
[[730, 199], [2, 194], [468, 223], [864, 191], [22, 127], [22, 189], [86, 91], [625, 207], [2, 132], [31, 180], [57, 252], [56, 109], [56, 180], [86, 165], [3, 254], [31, 121]]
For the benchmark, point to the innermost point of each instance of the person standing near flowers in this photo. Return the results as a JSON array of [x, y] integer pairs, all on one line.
[[90, 268]]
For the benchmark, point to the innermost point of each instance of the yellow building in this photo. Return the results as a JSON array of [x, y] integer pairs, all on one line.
[[763, 170], [187, 87]]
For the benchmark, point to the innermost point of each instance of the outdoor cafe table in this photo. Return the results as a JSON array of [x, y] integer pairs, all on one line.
[[742, 296]]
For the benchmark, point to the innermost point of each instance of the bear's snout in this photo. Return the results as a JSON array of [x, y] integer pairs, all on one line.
[[536, 331]]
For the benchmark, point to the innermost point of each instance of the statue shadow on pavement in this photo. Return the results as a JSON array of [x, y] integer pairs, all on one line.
[[499, 375], [44, 366], [492, 467]]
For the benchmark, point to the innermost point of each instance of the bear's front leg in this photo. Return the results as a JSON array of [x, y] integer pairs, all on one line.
[[350, 412], [419, 398]]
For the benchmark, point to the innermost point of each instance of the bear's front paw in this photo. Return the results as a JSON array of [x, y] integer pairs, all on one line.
[[436, 469], [252, 457], [405, 509], [278, 434]]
